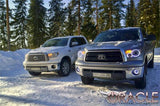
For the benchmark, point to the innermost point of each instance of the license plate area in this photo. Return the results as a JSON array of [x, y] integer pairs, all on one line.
[[37, 68], [102, 75], [108, 74]]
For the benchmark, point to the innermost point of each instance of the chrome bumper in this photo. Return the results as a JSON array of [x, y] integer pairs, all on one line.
[[110, 70], [41, 66]]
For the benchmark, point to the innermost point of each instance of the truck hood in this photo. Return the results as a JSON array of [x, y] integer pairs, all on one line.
[[114, 45], [46, 50]]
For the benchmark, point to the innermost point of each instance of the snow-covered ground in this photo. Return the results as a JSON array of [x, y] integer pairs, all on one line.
[[17, 87]]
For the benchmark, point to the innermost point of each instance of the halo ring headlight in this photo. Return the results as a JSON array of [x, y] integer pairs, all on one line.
[[133, 53], [136, 53]]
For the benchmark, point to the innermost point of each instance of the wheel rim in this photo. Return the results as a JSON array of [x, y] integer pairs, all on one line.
[[65, 67]]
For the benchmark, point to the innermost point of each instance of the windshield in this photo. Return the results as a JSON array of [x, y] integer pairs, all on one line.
[[56, 42], [118, 35]]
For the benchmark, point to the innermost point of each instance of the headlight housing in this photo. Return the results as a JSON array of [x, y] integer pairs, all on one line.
[[53, 55], [81, 54], [133, 53], [26, 57]]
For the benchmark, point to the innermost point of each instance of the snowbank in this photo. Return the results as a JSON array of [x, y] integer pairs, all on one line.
[[10, 61]]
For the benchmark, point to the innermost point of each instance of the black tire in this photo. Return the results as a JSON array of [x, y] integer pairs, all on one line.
[[141, 82], [65, 68], [87, 80], [34, 73], [151, 63]]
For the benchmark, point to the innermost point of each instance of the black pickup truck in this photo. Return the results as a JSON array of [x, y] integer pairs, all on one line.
[[118, 54]]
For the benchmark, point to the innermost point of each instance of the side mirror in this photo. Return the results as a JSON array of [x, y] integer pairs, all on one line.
[[74, 44], [151, 37]]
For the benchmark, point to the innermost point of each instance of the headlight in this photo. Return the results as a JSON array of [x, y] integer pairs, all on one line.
[[81, 54], [26, 56], [133, 53], [52, 55]]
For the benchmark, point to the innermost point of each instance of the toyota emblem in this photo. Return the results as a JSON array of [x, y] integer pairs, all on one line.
[[35, 58], [101, 57]]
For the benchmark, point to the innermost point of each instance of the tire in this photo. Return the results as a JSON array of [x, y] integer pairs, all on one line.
[[34, 73], [87, 80], [151, 63], [65, 68], [141, 82]]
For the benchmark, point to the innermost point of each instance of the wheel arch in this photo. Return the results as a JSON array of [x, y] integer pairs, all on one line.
[[67, 58]]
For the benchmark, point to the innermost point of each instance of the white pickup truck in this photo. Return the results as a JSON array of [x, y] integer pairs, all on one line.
[[57, 54]]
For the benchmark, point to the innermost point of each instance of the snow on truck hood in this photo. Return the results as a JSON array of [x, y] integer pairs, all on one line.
[[46, 49], [114, 44]]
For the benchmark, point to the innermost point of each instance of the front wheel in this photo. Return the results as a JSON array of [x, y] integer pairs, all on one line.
[[151, 63], [65, 68], [34, 73], [87, 80]]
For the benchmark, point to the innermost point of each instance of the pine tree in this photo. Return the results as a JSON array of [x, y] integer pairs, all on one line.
[[20, 24], [96, 9], [145, 14], [149, 17], [88, 27], [36, 23], [71, 20], [155, 20], [8, 25], [111, 14], [78, 12], [56, 18], [118, 12], [79, 17], [131, 15], [106, 14], [3, 34]]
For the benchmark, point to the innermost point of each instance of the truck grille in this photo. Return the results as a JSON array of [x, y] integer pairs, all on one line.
[[37, 57], [104, 56]]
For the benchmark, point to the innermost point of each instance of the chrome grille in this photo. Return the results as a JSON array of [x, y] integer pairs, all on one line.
[[104, 56], [37, 57]]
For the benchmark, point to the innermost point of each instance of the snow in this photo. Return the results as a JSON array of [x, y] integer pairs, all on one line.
[[17, 87]]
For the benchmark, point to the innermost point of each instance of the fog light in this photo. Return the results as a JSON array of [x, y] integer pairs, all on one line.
[[77, 69], [135, 72], [53, 66]]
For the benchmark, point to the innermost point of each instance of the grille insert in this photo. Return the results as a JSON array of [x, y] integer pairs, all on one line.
[[104, 56], [37, 57]]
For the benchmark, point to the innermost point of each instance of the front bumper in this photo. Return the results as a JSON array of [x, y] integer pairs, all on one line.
[[45, 66], [116, 71]]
